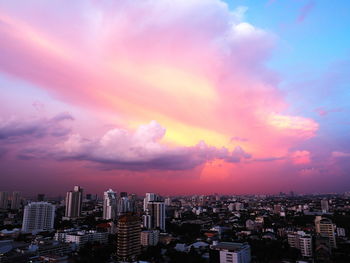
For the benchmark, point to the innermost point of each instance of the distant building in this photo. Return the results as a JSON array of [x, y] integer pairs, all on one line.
[[326, 228], [38, 216], [250, 224], [341, 232], [109, 205], [324, 206], [149, 237], [132, 203], [79, 238], [167, 201], [156, 210], [16, 200], [231, 207], [150, 197], [4, 200], [123, 205], [277, 209], [74, 201], [128, 238], [229, 252], [239, 206]]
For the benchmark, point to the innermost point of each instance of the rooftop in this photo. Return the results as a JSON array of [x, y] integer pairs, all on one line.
[[230, 246]]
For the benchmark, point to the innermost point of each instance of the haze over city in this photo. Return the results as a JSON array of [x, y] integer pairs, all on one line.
[[174, 97]]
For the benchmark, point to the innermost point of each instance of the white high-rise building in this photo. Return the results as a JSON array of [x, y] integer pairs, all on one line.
[[147, 221], [4, 197], [150, 197], [156, 210], [109, 205], [38, 216], [16, 200], [74, 201]]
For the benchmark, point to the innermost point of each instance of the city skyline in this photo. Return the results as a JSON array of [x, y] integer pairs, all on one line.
[[174, 97]]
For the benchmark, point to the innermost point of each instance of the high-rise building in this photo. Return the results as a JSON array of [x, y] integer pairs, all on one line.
[[109, 205], [123, 205], [149, 198], [324, 206], [128, 238], [74, 201], [16, 200], [132, 202], [156, 211], [4, 200], [38, 216], [326, 228], [167, 201], [229, 252], [302, 241], [147, 220]]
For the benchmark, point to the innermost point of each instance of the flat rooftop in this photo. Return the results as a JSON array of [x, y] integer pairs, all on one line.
[[230, 246]]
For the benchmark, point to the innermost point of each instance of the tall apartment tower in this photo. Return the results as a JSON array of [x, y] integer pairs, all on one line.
[[324, 206], [150, 197], [109, 205], [15, 200], [326, 228], [156, 211], [74, 201], [128, 238], [123, 205], [132, 202], [4, 197], [38, 216]]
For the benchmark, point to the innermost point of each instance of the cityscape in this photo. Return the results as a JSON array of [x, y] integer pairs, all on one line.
[[174, 131], [122, 227]]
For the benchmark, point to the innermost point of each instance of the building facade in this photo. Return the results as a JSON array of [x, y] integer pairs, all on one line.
[[326, 228], [156, 211], [149, 237], [109, 205], [4, 197], [16, 200], [229, 252], [128, 238], [74, 201], [38, 216]]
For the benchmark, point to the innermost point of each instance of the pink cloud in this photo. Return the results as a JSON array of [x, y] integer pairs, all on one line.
[[301, 157], [305, 11], [198, 70]]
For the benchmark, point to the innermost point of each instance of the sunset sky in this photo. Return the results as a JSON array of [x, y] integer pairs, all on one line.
[[175, 96]]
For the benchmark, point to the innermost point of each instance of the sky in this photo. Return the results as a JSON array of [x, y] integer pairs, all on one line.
[[175, 97]]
